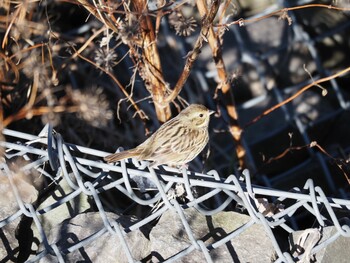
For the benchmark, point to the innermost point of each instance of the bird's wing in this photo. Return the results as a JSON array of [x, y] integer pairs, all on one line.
[[176, 142], [151, 147]]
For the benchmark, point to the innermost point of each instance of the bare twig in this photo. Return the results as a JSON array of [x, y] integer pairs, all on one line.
[[314, 83], [193, 55], [340, 163], [116, 81], [282, 12]]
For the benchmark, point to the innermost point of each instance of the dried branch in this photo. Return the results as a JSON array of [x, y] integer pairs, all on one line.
[[116, 81], [305, 88], [150, 59], [283, 13], [225, 86], [193, 55], [340, 163]]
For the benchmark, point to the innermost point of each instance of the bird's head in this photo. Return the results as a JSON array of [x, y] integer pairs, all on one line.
[[197, 116]]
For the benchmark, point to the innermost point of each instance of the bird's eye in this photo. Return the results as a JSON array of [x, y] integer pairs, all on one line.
[[201, 115]]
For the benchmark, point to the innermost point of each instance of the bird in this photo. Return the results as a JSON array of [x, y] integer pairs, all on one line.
[[177, 142]]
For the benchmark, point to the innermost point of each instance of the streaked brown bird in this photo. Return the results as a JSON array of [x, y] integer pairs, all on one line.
[[177, 142]]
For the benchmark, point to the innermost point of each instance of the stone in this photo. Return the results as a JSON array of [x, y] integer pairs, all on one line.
[[169, 237], [66, 210], [337, 251], [24, 181], [105, 248]]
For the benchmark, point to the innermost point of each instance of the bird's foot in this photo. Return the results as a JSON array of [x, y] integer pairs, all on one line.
[[184, 166]]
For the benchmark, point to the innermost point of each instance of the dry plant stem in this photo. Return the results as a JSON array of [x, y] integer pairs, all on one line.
[[24, 50], [150, 58], [193, 55], [86, 44], [7, 63], [242, 21], [14, 16], [314, 83], [83, 47], [311, 145], [27, 112], [285, 152], [92, 10], [18, 17], [138, 110], [107, 21], [1, 114], [225, 87], [336, 161], [23, 112]]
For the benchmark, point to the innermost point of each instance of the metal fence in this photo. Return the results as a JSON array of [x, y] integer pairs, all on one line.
[[85, 172], [87, 176], [331, 110]]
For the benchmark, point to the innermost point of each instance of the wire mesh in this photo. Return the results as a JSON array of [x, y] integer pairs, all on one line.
[[87, 176], [292, 119]]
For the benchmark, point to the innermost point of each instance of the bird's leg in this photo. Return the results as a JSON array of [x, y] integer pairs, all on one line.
[[184, 166], [153, 164]]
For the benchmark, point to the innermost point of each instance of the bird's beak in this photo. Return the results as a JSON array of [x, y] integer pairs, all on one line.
[[211, 112]]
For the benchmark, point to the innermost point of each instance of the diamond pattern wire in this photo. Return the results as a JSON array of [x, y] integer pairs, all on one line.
[[49, 146], [86, 175]]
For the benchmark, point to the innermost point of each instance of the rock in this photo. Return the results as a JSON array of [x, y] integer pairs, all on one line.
[[106, 248], [9, 245], [338, 251], [169, 237], [65, 210]]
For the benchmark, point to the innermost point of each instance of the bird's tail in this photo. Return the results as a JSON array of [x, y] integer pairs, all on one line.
[[120, 156]]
